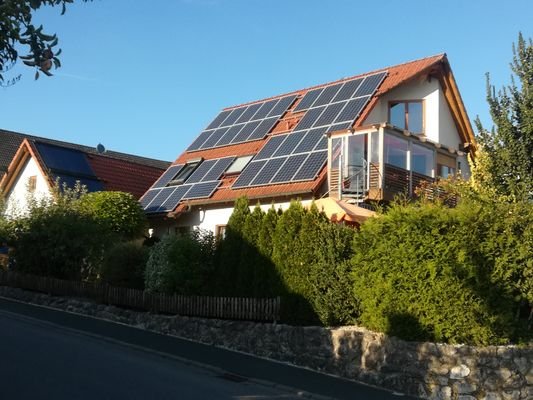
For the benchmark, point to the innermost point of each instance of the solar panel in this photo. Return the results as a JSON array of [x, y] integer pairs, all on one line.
[[348, 90], [311, 167], [218, 169], [329, 114], [69, 181], [159, 199], [175, 197], [230, 134], [269, 170], [235, 114], [309, 118], [289, 144], [148, 197], [218, 120], [322, 144], [249, 113], [339, 127], [64, 159], [270, 147], [201, 190], [263, 128], [352, 109], [282, 106], [200, 171], [249, 173], [265, 109], [370, 84], [199, 140], [327, 95], [308, 100], [167, 176], [245, 132], [214, 138], [288, 169], [310, 140]]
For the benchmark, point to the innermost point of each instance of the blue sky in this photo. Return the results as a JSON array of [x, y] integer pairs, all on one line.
[[145, 77]]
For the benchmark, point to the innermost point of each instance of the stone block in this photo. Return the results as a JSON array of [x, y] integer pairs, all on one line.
[[529, 376], [491, 396], [514, 395], [466, 397], [522, 364], [459, 372], [465, 388]]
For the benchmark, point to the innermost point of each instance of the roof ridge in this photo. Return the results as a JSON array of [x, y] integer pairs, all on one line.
[[441, 55]]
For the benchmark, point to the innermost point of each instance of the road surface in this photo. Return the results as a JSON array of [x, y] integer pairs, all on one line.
[[49, 354]]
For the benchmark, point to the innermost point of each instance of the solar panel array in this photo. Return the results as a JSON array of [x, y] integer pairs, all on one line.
[[242, 124], [301, 154], [69, 166], [337, 105], [203, 181], [293, 157]]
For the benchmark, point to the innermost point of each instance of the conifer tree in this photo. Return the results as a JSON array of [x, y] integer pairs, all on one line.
[[229, 250], [508, 146]]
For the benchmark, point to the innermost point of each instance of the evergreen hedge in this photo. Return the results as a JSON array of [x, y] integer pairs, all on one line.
[[427, 272]]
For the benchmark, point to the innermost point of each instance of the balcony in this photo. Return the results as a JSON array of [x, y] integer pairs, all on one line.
[[382, 162]]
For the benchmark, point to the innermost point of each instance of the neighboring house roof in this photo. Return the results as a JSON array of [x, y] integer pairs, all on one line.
[[10, 142], [70, 162], [291, 120]]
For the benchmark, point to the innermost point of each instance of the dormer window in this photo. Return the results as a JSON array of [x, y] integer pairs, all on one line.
[[408, 115]]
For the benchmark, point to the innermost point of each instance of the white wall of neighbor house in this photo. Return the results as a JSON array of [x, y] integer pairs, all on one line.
[[18, 197], [207, 218]]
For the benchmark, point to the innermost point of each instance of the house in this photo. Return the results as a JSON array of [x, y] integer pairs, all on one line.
[[346, 144], [31, 165]]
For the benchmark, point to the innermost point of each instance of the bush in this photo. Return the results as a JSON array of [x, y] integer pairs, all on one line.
[[60, 242], [117, 211], [181, 264], [427, 272], [124, 265]]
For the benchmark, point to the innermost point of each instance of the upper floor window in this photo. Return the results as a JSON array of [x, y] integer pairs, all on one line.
[[32, 183], [407, 115]]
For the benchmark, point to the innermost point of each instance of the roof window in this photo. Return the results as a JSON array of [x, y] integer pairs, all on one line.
[[238, 165]]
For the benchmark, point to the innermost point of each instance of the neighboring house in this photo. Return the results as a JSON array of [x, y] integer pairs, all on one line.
[[345, 144], [31, 166]]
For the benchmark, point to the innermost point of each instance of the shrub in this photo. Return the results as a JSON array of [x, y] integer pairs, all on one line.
[[181, 264], [427, 272], [124, 265], [117, 211], [58, 241]]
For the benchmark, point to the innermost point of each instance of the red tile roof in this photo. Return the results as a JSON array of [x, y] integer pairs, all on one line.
[[116, 171], [122, 175], [396, 75]]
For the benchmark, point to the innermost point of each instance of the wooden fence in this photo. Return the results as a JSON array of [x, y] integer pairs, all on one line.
[[193, 306]]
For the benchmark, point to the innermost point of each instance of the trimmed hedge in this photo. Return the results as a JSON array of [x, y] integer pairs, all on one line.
[[427, 272]]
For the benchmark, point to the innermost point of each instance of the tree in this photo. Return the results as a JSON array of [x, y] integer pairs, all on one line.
[[17, 29], [508, 147]]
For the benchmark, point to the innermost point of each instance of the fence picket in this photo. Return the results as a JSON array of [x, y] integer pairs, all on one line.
[[194, 306]]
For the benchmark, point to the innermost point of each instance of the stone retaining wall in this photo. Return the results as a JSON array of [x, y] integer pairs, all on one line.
[[428, 370]]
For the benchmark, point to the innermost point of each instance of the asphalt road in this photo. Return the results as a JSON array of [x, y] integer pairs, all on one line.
[[49, 354]]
